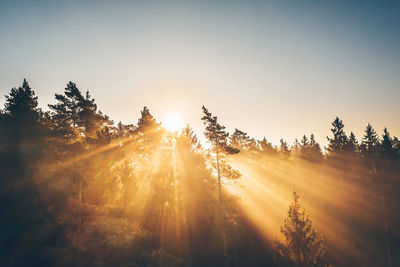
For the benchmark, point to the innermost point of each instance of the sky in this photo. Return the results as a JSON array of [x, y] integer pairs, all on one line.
[[278, 69]]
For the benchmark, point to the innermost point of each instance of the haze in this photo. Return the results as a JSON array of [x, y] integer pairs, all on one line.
[[288, 66]]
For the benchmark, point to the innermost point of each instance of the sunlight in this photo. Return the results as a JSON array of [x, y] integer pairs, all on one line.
[[172, 122], [224, 148]]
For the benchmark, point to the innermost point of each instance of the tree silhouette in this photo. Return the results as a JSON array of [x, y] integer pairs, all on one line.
[[369, 142], [148, 132], [25, 126], [337, 143], [77, 190], [266, 147], [21, 103], [295, 149], [64, 113], [352, 145], [76, 111], [241, 141], [191, 139], [24, 134], [218, 137], [387, 141], [284, 149], [308, 149], [302, 245], [316, 153]]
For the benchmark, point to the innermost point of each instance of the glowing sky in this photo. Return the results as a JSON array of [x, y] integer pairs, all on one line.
[[274, 69]]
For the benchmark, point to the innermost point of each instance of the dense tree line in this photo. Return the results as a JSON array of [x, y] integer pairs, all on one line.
[[79, 190]]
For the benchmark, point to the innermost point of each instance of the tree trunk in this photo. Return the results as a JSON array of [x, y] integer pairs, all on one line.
[[219, 184], [79, 215], [221, 218]]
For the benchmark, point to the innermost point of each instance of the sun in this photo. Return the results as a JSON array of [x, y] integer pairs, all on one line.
[[172, 122]]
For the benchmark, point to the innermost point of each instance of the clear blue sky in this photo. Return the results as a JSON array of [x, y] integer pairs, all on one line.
[[271, 68]]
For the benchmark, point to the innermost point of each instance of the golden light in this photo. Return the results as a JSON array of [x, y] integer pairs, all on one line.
[[172, 122]]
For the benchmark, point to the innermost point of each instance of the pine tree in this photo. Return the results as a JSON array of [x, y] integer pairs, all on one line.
[[315, 149], [302, 245], [309, 149], [148, 132], [21, 103], [24, 135], [75, 97], [396, 146], [24, 123], [284, 148], [191, 139], [91, 119], [296, 147], [304, 147], [352, 145], [218, 137], [77, 115], [146, 122], [369, 142], [239, 139], [124, 130], [63, 119], [266, 147], [387, 144], [337, 143], [304, 142]]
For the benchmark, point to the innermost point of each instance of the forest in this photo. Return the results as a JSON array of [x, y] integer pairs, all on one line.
[[79, 189]]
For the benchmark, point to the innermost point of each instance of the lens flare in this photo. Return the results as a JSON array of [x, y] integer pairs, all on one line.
[[172, 122]]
